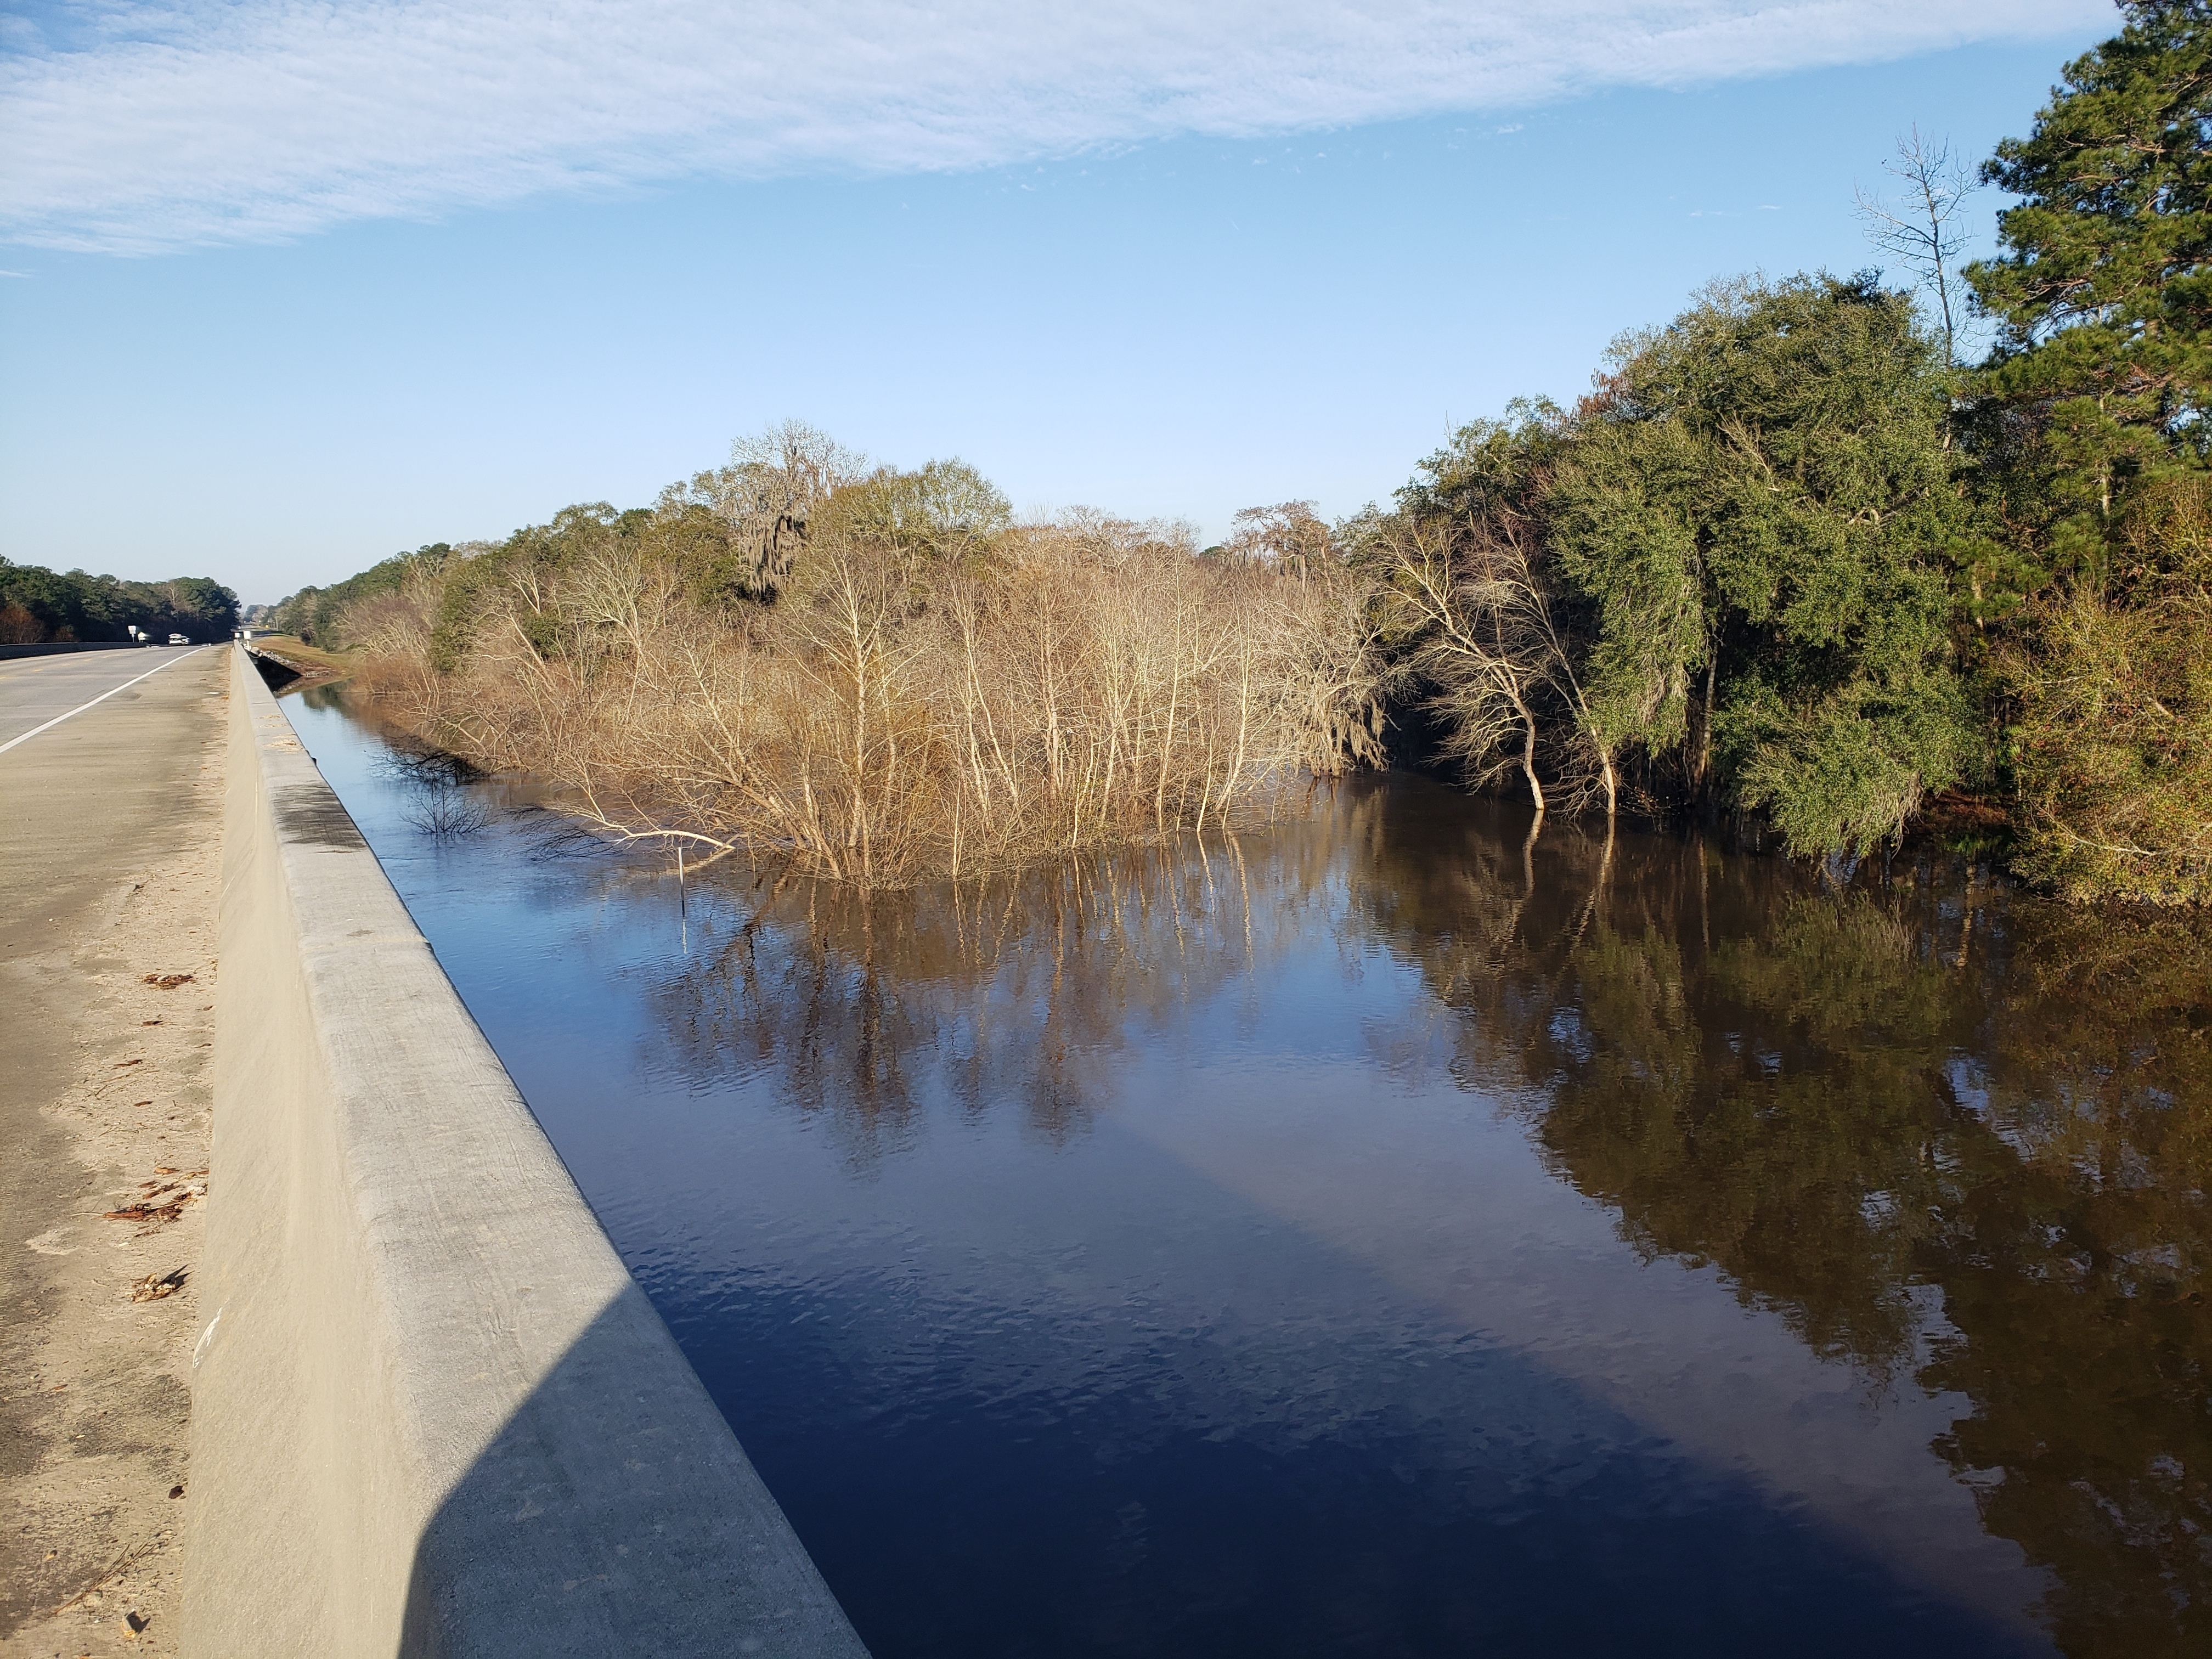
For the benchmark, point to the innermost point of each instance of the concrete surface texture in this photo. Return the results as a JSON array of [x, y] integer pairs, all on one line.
[[432, 1414], [43, 691], [109, 863]]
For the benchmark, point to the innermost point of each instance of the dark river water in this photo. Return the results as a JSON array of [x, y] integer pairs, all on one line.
[[1379, 1237]]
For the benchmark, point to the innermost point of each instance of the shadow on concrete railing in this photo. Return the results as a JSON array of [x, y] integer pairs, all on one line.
[[617, 1548]]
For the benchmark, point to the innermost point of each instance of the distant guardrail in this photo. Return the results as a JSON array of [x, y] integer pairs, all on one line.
[[431, 1412], [54, 647]]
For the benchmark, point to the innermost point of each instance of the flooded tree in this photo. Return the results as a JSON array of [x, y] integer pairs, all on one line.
[[927, 686]]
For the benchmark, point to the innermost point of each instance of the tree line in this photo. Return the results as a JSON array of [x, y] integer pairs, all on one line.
[[875, 675], [313, 613], [1789, 561], [38, 604], [1789, 565]]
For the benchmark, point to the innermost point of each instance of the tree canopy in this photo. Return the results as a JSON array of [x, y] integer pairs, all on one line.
[[2090, 434], [2101, 375], [1788, 565], [37, 604]]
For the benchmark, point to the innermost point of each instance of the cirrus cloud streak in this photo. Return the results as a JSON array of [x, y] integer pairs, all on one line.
[[141, 127]]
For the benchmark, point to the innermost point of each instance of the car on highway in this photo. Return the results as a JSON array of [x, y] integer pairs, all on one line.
[[179, 639]]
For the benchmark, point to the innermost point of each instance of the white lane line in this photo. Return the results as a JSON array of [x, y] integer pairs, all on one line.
[[102, 697]]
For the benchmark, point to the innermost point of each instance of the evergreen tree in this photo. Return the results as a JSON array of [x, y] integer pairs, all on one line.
[[1761, 506], [2102, 376]]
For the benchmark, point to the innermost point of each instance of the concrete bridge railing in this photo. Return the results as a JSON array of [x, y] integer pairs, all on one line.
[[432, 1413], [64, 648]]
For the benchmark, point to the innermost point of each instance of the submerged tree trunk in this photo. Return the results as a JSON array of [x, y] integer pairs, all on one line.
[[1703, 784], [1529, 754]]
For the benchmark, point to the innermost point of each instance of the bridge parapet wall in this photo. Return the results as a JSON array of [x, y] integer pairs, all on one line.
[[431, 1412]]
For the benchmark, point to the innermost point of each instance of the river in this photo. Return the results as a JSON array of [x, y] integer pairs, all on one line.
[[1384, 1234]]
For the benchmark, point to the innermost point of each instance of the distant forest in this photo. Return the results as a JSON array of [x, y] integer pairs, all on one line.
[[38, 604], [1792, 565]]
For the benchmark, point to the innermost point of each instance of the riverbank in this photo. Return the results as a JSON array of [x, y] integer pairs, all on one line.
[[107, 928], [305, 663]]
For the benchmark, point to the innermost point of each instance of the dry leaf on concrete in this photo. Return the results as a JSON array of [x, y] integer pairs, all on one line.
[[169, 1212]]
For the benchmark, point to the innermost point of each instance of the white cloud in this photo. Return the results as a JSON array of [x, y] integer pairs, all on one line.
[[141, 126]]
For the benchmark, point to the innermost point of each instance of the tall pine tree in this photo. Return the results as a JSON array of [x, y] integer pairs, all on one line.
[[2101, 377]]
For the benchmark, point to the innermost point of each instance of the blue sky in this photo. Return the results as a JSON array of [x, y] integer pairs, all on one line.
[[291, 290]]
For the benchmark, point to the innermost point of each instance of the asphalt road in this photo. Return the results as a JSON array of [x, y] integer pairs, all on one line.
[[110, 845], [36, 690]]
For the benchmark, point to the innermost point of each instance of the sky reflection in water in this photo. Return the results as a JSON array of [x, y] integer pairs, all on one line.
[[1379, 1237]]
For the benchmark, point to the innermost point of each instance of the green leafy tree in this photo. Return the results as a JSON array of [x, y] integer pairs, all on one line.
[[40, 604], [317, 615], [1761, 509], [515, 582]]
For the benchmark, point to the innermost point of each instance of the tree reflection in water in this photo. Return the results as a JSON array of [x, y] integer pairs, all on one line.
[[1955, 1138], [1020, 988]]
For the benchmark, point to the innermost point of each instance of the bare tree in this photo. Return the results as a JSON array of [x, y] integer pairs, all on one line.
[[792, 466], [1093, 681], [1488, 642], [776, 479], [1288, 537], [1919, 228]]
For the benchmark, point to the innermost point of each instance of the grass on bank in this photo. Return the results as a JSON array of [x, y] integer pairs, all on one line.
[[310, 660]]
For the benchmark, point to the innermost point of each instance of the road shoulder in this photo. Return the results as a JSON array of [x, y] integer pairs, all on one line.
[[108, 897]]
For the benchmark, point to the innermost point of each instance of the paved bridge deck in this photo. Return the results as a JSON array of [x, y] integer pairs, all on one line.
[[109, 862]]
